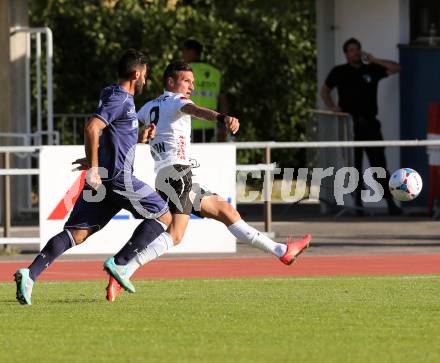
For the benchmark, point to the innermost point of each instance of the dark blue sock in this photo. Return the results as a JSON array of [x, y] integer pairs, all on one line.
[[55, 247], [142, 236]]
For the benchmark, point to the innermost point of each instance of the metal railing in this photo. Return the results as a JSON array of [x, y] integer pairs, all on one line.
[[35, 138], [269, 145], [7, 172], [71, 126], [35, 33], [24, 204], [267, 166]]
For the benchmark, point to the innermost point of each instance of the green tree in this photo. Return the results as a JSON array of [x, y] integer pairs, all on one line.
[[266, 51]]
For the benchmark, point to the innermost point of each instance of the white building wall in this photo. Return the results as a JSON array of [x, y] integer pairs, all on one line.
[[380, 25]]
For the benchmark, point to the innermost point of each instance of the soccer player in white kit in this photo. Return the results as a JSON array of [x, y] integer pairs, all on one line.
[[168, 118]]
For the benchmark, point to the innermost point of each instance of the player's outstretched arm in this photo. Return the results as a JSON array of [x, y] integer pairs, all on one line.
[[192, 109], [200, 112]]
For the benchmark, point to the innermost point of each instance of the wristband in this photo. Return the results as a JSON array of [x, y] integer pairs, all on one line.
[[221, 118]]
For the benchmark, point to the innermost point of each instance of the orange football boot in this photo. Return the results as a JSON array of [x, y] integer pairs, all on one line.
[[113, 289], [295, 248]]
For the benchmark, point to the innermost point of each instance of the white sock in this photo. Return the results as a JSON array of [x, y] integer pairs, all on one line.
[[155, 249], [245, 233]]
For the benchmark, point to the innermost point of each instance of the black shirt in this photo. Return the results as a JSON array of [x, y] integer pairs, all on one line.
[[357, 87]]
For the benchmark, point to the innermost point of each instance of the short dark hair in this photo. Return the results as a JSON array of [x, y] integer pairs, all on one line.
[[192, 44], [351, 41], [173, 68], [130, 61]]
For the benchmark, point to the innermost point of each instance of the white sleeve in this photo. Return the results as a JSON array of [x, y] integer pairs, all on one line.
[[143, 115], [179, 101]]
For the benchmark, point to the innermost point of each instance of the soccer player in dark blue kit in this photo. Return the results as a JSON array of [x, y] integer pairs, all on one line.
[[110, 137]]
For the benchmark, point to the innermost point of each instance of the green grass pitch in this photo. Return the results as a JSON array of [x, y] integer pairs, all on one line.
[[355, 319]]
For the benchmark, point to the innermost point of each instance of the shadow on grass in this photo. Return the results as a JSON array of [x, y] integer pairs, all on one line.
[[8, 301], [66, 301], [74, 301]]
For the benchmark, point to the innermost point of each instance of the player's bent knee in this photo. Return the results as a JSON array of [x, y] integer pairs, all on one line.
[[229, 214], [80, 235]]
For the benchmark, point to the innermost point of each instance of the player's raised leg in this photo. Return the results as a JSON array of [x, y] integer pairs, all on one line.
[[217, 208]]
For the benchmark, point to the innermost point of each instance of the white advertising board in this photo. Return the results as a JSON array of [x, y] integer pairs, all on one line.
[[59, 185]]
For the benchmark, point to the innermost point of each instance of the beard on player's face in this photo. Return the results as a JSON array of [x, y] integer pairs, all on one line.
[[140, 82], [138, 86]]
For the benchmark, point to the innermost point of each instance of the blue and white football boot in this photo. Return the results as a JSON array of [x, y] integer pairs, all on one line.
[[24, 286], [119, 273]]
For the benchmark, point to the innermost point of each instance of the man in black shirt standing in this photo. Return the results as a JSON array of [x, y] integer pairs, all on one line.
[[356, 83]]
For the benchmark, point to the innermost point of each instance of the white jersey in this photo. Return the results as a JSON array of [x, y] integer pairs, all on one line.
[[173, 134]]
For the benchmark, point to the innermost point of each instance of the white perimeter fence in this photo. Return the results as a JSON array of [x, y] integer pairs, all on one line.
[[6, 172]]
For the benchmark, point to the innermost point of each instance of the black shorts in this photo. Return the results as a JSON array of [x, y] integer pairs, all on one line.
[[123, 192], [174, 184]]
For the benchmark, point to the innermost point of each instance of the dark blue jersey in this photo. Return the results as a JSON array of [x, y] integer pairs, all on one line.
[[117, 143]]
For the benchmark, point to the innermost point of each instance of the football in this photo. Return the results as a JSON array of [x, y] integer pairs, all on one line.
[[405, 184]]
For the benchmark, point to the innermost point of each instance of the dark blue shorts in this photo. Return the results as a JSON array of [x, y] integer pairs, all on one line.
[[95, 209]]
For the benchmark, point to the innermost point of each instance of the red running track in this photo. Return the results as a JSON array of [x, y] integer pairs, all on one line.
[[245, 267]]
